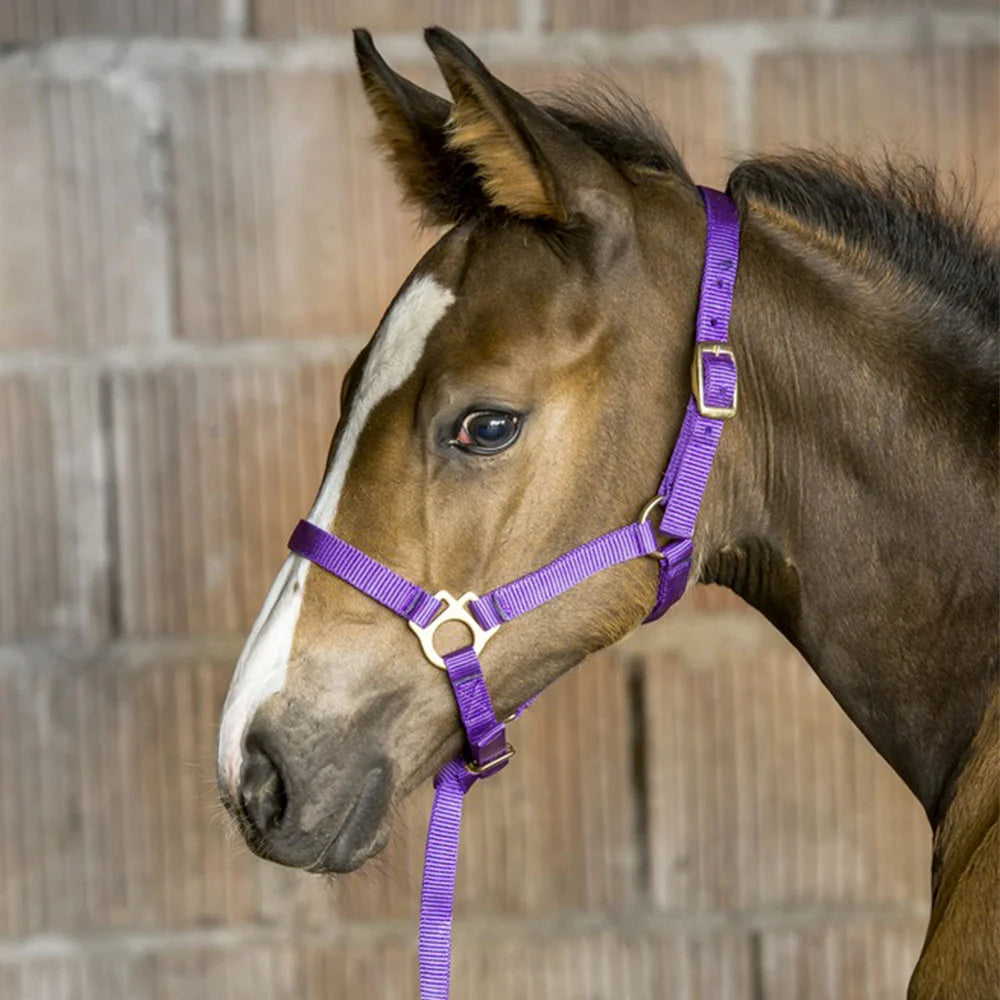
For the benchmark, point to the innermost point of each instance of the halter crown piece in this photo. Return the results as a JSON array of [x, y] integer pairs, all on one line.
[[713, 401]]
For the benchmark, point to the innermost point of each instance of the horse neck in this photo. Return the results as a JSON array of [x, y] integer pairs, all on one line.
[[848, 509]]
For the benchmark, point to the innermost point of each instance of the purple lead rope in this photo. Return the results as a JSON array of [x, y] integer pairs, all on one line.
[[713, 400], [437, 891], [487, 752]]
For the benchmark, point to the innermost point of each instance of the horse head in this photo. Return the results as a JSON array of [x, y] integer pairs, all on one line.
[[519, 397]]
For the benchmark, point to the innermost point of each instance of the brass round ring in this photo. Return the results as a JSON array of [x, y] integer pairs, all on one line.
[[647, 511]]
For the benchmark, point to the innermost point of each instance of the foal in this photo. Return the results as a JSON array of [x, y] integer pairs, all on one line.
[[521, 395]]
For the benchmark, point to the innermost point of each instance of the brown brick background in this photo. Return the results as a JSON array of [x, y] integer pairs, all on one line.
[[195, 239]]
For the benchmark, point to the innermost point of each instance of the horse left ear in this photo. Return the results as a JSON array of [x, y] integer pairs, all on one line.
[[528, 163]]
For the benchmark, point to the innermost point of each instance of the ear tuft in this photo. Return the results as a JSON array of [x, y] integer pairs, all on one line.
[[508, 174], [491, 125]]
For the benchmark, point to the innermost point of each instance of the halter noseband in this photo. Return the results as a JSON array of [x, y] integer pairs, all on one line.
[[713, 400]]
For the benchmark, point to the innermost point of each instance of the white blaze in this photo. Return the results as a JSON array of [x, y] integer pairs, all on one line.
[[260, 671]]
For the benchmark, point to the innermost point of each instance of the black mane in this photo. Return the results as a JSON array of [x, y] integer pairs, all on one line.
[[904, 215], [900, 214]]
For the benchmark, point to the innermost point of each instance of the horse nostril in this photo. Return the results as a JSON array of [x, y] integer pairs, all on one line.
[[262, 791]]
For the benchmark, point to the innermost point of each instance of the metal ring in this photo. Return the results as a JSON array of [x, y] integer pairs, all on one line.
[[644, 517], [657, 501], [491, 765]]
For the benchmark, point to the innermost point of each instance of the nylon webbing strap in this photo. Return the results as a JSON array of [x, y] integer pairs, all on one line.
[[686, 477], [536, 588], [363, 572], [486, 745]]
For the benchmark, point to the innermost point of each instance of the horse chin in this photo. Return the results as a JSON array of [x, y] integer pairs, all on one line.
[[340, 856], [344, 856], [363, 832]]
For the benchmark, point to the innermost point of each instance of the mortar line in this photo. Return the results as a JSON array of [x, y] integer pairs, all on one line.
[[234, 18], [627, 922], [532, 16], [709, 631], [336, 349], [635, 668], [110, 484], [737, 70], [76, 58]]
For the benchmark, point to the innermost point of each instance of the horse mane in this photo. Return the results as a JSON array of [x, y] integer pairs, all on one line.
[[903, 213], [902, 217]]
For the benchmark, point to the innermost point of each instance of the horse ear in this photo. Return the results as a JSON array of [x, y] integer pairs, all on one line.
[[411, 134], [529, 163]]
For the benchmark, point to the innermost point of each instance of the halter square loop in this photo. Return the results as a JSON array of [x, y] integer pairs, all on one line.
[[707, 356]]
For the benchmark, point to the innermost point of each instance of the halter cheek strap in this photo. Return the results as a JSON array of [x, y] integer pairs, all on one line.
[[713, 400]]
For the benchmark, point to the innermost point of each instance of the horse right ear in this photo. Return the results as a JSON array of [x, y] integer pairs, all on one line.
[[439, 181]]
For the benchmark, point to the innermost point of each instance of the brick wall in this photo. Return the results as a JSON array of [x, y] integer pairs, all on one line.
[[194, 241]]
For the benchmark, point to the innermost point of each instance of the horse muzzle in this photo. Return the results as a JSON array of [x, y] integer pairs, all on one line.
[[323, 813]]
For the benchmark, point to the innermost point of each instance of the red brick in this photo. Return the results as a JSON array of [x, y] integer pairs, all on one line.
[[82, 259], [53, 543], [108, 793], [384, 967], [287, 224], [631, 15], [687, 95], [863, 7], [47, 978], [215, 465], [866, 959], [277, 19], [38, 20], [762, 793], [110, 816], [711, 598], [939, 104], [256, 969], [261, 970], [603, 963], [547, 963], [567, 806]]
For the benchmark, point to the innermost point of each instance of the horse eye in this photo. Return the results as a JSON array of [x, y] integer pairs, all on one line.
[[485, 432]]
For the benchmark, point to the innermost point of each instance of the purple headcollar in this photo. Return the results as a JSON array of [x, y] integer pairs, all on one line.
[[713, 401]]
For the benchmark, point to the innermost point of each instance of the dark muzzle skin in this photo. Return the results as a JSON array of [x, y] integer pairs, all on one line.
[[308, 797]]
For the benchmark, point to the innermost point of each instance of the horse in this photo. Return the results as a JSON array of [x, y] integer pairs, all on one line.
[[521, 394]]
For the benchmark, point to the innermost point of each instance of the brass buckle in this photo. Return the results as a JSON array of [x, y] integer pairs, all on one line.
[[698, 380], [490, 765], [647, 512], [455, 610]]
